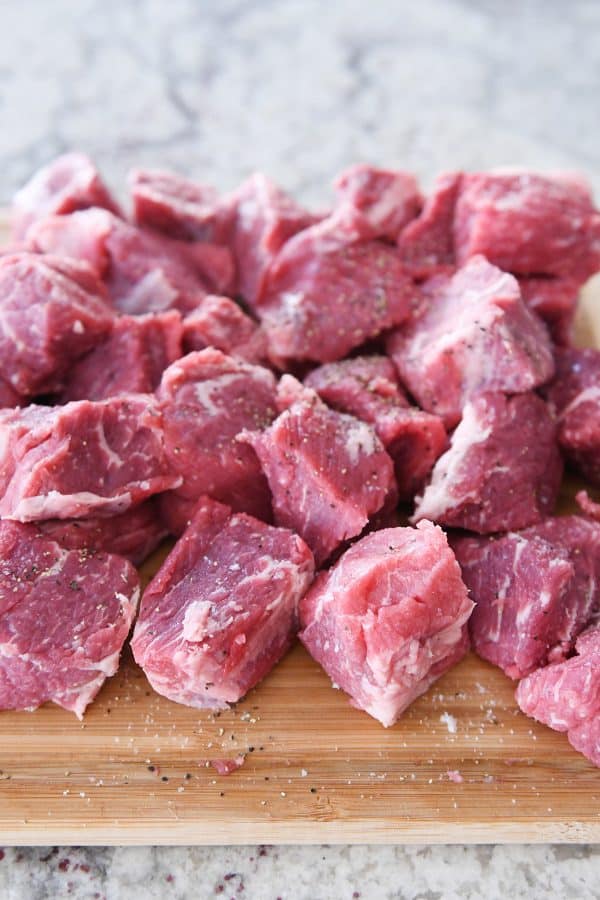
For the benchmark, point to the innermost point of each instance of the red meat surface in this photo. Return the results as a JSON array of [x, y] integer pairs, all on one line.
[[566, 696], [206, 400], [503, 468], [47, 320], [68, 183], [219, 322], [426, 244], [472, 334], [528, 224], [83, 459], [134, 534], [181, 208], [263, 218], [327, 293], [8, 396], [64, 616], [367, 387], [328, 472], [575, 395], [384, 201], [222, 609], [534, 591], [555, 301], [131, 359], [389, 618], [143, 271]]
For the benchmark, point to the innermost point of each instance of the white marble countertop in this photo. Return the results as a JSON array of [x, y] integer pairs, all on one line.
[[217, 88]]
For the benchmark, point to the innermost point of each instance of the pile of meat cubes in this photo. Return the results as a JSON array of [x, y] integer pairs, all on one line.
[[353, 424]]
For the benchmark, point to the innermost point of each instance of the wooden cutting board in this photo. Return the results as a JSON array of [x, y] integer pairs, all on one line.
[[463, 765]]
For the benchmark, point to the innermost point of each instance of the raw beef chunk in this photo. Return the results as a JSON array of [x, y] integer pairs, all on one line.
[[176, 206], [64, 616], [222, 610], [327, 293], [82, 459], [575, 395], [528, 224], [367, 387], [8, 396], [131, 359], [207, 399], [534, 591], [219, 322], [503, 468], [384, 201], [426, 244], [389, 618], [555, 301], [134, 534], [263, 218], [47, 320], [143, 271], [68, 183], [566, 696], [328, 472], [473, 333]]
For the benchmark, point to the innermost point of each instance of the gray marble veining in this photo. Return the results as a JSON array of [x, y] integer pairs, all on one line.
[[299, 89]]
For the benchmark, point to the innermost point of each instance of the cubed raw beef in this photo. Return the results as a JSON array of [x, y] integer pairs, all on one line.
[[327, 293], [367, 387], [219, 322], [473, 333], [134, 534], [222, 609], [528, 224], [177, 206], [575, 395], [143, 271], [328, 472], [83, 459], [534, 591], [68, 183], [503, 468], [8, 396], [426, 244], [64, 616], [207, 399], [47, 320], [555, 301], [385, 201], [566, 696], [389, 618], [131, 359], [263, 218]]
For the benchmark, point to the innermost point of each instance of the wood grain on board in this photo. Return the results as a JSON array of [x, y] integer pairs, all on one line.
[[463, 764]]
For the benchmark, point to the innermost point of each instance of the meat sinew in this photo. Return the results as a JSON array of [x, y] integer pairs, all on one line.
[[534, 590], [47, 320], [367, 387], [68, 183], [473, 333], [83, 459], [64, 616], [207, 399], [131, 359], [566, 695], [328, 472], [388, 618], [502, 470], [222, 610]]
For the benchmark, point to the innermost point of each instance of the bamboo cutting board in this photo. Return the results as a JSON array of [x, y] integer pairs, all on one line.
[[463, 764]]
